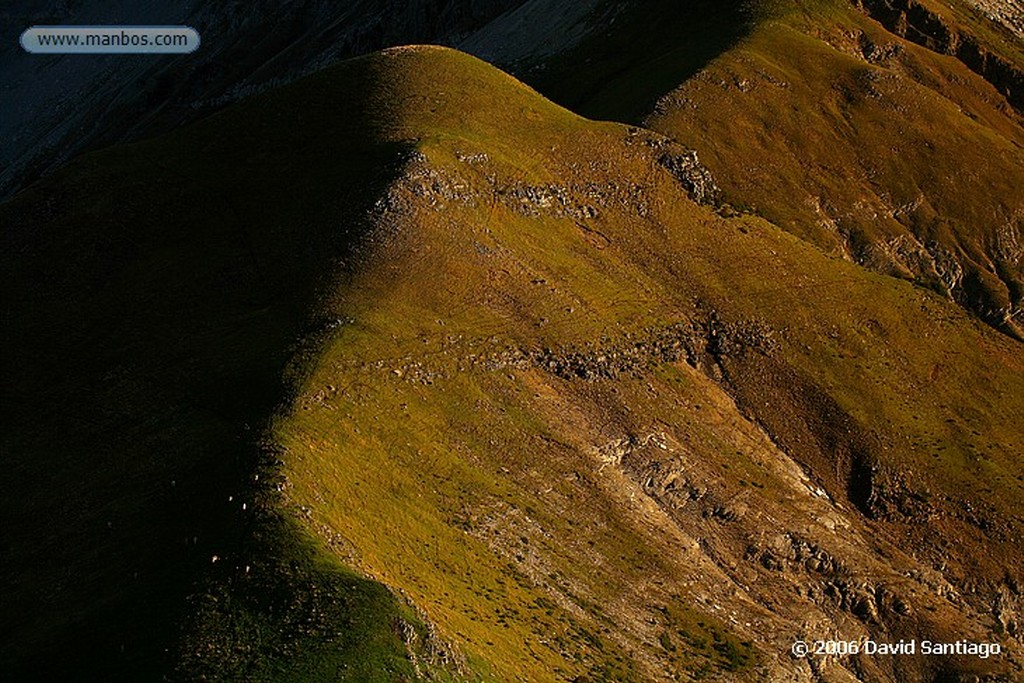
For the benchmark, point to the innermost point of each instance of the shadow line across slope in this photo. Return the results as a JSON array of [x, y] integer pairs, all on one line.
[[153, 294]]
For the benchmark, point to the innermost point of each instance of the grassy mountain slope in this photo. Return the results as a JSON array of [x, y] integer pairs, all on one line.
[[406, 324], [474, 279], [893, 152]]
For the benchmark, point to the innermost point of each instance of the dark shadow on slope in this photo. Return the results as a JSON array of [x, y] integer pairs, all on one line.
[[639, 52], [806, 423], [252, 46], [917, 23], [152, 295]]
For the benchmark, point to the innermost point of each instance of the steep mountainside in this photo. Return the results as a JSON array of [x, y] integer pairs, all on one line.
[[885, 131], [56, 107], [891, 136], [403, 371]]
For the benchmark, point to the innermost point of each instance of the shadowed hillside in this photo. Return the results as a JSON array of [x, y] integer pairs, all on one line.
[[404, 371], [153, 294], [635, 52]]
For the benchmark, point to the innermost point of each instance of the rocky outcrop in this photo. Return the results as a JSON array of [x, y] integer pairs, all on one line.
[[913, 21], [1009, 13], [695, 178]]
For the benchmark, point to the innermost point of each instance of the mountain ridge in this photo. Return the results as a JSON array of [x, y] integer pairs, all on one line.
[[843, 133], [516, 339]]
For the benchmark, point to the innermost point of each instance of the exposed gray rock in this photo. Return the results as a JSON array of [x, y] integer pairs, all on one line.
[[695, 178]]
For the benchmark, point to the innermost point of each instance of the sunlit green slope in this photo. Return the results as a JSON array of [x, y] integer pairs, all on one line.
[[404, 371], [891, 136]]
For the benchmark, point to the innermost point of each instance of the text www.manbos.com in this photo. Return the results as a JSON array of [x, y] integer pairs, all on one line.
[[110, 39]]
